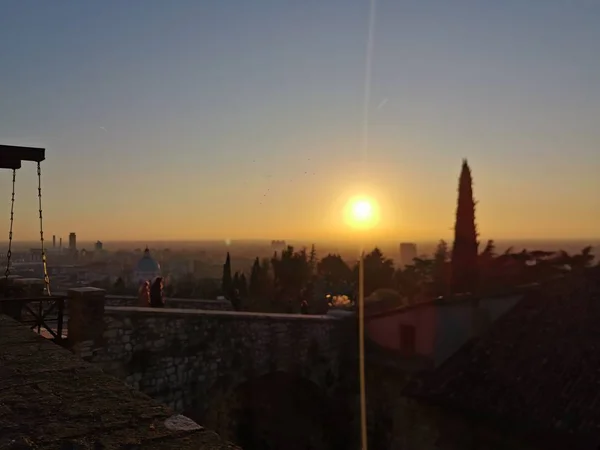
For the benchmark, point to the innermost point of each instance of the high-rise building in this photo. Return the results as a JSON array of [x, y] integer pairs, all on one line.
[[53, 241], [408, 252], [72, 242], [98, 246], [60, 243]]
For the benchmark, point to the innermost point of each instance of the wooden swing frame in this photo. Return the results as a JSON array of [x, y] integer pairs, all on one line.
[[11, 157]]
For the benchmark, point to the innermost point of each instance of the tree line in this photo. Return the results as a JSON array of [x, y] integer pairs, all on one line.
[[293, 277], [282, 282]]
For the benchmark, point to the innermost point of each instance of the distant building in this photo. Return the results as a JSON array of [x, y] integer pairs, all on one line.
[[147, 268], [72, 242], [35, 254], [98, 246], [408, 252], [53, 241]]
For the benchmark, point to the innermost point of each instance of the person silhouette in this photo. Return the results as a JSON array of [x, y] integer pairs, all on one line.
[[304, 307], [144, 294], [157, 299]]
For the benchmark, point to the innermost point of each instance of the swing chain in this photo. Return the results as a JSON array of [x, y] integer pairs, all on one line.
[[45, 265], [10, 232]]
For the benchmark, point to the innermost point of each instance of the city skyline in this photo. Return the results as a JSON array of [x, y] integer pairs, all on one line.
[[237, 121]]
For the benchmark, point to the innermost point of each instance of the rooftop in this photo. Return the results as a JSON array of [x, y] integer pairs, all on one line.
[[535, 371], [50, 399]]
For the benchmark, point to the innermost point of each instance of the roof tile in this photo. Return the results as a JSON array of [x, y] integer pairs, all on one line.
[[538, 367]]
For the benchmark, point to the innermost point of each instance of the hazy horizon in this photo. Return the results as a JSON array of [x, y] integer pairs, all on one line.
[[298, 243], [219, 120]]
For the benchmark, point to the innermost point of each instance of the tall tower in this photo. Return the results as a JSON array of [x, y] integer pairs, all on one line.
[[60, 243], [53, 241], [72, 242], [408, 252]]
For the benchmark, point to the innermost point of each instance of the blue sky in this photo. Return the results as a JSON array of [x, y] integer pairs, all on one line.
[[230, 119]]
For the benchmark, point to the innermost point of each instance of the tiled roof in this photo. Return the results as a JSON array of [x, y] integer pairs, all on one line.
[[537, 370]]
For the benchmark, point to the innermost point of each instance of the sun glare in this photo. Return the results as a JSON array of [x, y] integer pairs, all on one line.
[[362, 210], [361, 213]]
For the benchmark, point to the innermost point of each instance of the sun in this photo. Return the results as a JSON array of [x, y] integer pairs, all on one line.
[[361, 212]]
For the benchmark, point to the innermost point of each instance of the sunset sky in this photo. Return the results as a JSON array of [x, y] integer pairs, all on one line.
[[191, 119]]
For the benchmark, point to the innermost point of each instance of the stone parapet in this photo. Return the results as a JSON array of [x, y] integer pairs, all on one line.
[[180, 303], [178, 355]]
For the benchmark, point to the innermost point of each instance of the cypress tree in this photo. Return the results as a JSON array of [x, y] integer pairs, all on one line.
[[464, 249], [236, 281], [227, 282], [254, 287], [243, 285], [312, 260]]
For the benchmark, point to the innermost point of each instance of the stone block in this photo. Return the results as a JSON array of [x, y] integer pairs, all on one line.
[[86, 314]]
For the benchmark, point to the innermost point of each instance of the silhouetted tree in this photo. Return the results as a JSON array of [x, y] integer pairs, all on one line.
[[334, 270], [260, 280], [227, 282], [489, 251], [407, 282], [243, 286], [291, 271], [255, 288], [378, 271], [235, 282], [119, 286], [464, 249], [490, 267], [582, 260], [440, 269], [416, 282], [312, 260]]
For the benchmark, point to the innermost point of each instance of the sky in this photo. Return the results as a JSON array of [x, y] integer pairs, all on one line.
[[245, 119]]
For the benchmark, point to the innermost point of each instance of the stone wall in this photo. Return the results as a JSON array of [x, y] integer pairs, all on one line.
[[178, 356], [179, 303]]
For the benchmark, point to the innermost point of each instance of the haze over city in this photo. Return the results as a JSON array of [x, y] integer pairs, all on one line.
[[231, 120]]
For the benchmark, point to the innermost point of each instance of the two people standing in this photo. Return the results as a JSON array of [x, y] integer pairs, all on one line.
[[152, 294]]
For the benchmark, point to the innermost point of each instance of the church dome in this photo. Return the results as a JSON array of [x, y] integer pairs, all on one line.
[[147, 267]]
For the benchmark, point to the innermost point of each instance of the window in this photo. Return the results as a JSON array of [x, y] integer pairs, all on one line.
[[407, 340]]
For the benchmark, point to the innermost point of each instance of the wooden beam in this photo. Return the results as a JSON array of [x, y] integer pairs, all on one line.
[[12, 152], [7, 163]]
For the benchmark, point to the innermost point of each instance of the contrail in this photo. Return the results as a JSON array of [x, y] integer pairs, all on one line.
[[367, 93], [382, 103]]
